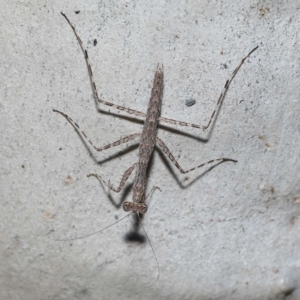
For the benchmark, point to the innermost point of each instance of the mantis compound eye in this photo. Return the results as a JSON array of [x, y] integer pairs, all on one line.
[[143, 208], [127, 206]]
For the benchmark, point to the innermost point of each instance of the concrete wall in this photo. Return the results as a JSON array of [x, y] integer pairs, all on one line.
[[230, 233]]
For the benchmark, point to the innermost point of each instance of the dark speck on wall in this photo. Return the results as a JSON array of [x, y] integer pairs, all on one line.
[[190, 102]]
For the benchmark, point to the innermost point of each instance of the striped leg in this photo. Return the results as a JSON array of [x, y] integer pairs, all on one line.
[[128, 110], [123, 180], [116, 143], [166, 150], [219, 102]]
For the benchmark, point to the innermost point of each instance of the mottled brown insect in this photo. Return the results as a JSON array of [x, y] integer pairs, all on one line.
[[148, 138]]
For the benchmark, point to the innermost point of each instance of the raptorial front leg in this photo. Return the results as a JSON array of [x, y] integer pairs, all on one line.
[[152, 191], [123, 108], [218, 105], [166, 150], [123, 180], [116, 143]]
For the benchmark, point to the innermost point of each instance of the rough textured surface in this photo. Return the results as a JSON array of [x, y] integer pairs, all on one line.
[[232, 233]]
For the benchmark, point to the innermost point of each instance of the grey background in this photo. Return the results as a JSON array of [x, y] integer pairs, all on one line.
[[232, 233]]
